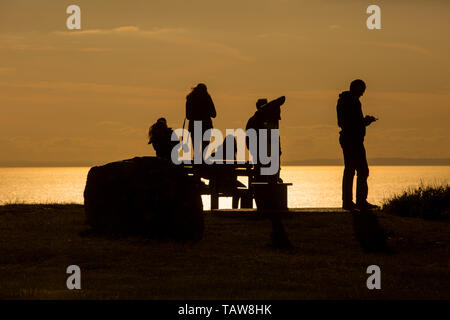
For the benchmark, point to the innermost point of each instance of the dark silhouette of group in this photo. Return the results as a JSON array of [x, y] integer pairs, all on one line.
[[200, 107]]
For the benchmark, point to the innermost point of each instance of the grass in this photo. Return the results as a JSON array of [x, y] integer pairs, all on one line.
[[429, 202], [233, 261]]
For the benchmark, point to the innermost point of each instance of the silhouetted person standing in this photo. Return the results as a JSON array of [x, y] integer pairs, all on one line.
[[256, 122], [267, 116], [200, 107], [353, 125]]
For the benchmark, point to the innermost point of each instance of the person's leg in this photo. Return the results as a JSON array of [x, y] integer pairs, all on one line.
[[349, 173], [191, 136], [347, 186], [198, 144], [363, 173], [206, 135], [196, 174]]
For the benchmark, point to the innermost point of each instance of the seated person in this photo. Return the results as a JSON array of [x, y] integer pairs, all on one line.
[[226, 180], [160, 136]]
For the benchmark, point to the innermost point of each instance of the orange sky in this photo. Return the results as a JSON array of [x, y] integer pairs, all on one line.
[[90, 95]]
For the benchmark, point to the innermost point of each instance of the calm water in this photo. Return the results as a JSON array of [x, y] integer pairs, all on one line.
[[315, 186]]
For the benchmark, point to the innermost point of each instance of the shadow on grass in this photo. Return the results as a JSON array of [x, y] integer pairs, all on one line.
[[369, 233]]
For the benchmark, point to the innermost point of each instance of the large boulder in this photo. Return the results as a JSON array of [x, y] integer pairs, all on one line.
[[148, 195]]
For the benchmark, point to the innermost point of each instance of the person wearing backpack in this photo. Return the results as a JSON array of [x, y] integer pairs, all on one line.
[[200, 107]]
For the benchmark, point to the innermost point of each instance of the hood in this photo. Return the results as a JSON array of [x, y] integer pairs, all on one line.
[[345, 94]]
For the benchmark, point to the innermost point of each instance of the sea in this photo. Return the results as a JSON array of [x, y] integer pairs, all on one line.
[[313, 186]]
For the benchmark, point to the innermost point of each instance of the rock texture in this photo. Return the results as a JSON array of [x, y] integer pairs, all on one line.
[[148, 195]]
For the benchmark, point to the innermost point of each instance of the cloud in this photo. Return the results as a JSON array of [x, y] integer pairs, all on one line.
[[120, 129], [314, 127], [335, 27], [312, 95], [4, 71], [95, 88], [92, 49], [126, 30], [403, 46], [280, 35], [81, 94], [35, 43], [178, 36]]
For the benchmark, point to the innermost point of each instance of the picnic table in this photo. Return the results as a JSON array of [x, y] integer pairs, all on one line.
[[223, 182]]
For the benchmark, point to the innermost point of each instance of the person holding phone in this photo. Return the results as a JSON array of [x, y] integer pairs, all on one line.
[[351, 138]]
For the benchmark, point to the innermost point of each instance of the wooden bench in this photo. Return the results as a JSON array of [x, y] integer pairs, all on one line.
[[217, 187], [221, 177]]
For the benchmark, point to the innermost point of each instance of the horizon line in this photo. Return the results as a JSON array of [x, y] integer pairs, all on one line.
[[395, 161]]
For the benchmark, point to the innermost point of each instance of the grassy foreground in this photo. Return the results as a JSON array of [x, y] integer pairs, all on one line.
[[233, 261]]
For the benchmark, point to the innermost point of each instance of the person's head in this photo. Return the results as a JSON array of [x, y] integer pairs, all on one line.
[[357, 87], [199, 89], [162, 121], [260, 103], [156, 129]]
